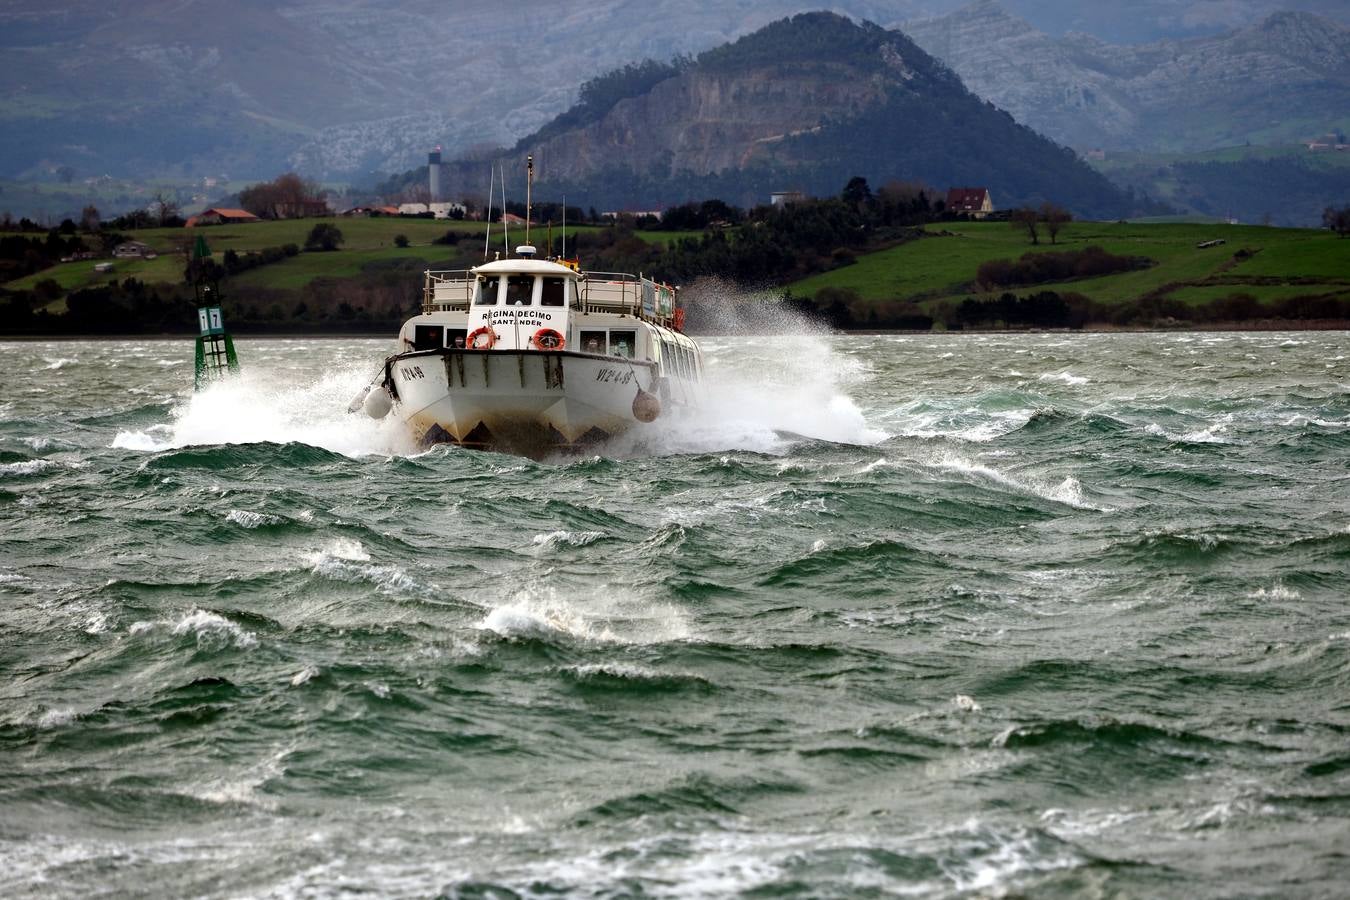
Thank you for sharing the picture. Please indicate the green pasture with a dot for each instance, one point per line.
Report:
(944, 265)
(365, 240)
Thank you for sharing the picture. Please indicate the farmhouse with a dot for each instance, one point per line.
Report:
(220, 215)
(368, 211)
(974, 202)
(134, 250)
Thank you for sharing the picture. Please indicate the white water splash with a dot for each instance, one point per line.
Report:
(602, 615)
(346, 560)
(260, 405)
(1069, 491)
(27, 467)
(556, 539)
(211, 630)
(247, 519)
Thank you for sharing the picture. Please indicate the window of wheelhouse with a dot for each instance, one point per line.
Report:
(428, 337)
(593, 342)
(519, 290)
(623, 343)
(487, 290)
(554, 292)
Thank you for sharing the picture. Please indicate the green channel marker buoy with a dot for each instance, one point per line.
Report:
(215, 349)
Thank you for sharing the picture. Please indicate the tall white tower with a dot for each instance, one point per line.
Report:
(434, 174)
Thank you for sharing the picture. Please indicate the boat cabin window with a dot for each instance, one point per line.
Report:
(454, 337)
(428, 337)
(593, 342)
(554, 292)
(487, 290)
(519, 289)
(622, 343)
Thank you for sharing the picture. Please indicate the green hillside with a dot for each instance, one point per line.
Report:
(941, 267)
(365, 241)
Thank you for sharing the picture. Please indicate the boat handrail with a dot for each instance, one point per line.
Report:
(451, 290)
(447, 290)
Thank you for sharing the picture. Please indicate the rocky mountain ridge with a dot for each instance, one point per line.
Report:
(336, 88)
(803, 103)
(1281, 80)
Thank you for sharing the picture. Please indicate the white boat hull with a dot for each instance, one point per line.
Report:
(521, 401)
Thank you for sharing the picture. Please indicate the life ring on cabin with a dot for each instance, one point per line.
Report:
(481, 339)
(548, 339)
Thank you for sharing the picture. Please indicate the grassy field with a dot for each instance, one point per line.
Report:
(944, 266)
(364, 241)
(940, 267)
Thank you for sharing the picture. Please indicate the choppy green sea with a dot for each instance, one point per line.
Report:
(948, 616)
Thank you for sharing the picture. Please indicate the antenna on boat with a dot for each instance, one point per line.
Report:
(529, 189)
(487, 233)
(564, 229)
(506, 241)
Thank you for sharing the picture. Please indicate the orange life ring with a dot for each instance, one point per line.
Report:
(473, 342)
(548, 339)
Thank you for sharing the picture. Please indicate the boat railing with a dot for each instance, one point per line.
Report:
(447, 290)
(634, 295)
(451, 290)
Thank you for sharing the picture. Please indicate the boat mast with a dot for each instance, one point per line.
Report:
(487, 233)
(506, 241)
(529, 188)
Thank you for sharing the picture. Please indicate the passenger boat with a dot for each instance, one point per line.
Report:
(532, 355)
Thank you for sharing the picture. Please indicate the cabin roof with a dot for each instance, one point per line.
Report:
(523, 267)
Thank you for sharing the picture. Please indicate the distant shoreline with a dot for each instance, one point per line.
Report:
(1289, 325)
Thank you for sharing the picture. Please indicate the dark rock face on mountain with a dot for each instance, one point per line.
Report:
(804, 103)
(1282, 80)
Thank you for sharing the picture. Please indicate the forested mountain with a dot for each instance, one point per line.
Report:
(802, 104)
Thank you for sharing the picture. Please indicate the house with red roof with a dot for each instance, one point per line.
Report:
(220, 215)
(973, 202)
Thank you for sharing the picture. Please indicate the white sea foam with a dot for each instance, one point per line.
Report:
(151, 440)
(305, 675)
(602, 615)
(342, 548)
(969, 424)
(966, 703)
(758, 395)
(55, 718)
(1277, 592)
(615, 670)
(212, 630)
(1069, 491)
(1065, 378)
(241, 787)
(59, 363)
(1212, 434)
(261, 405)
(387, 579)
(966, 858)
(27, 467)
(556, 539)
(248, 519)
